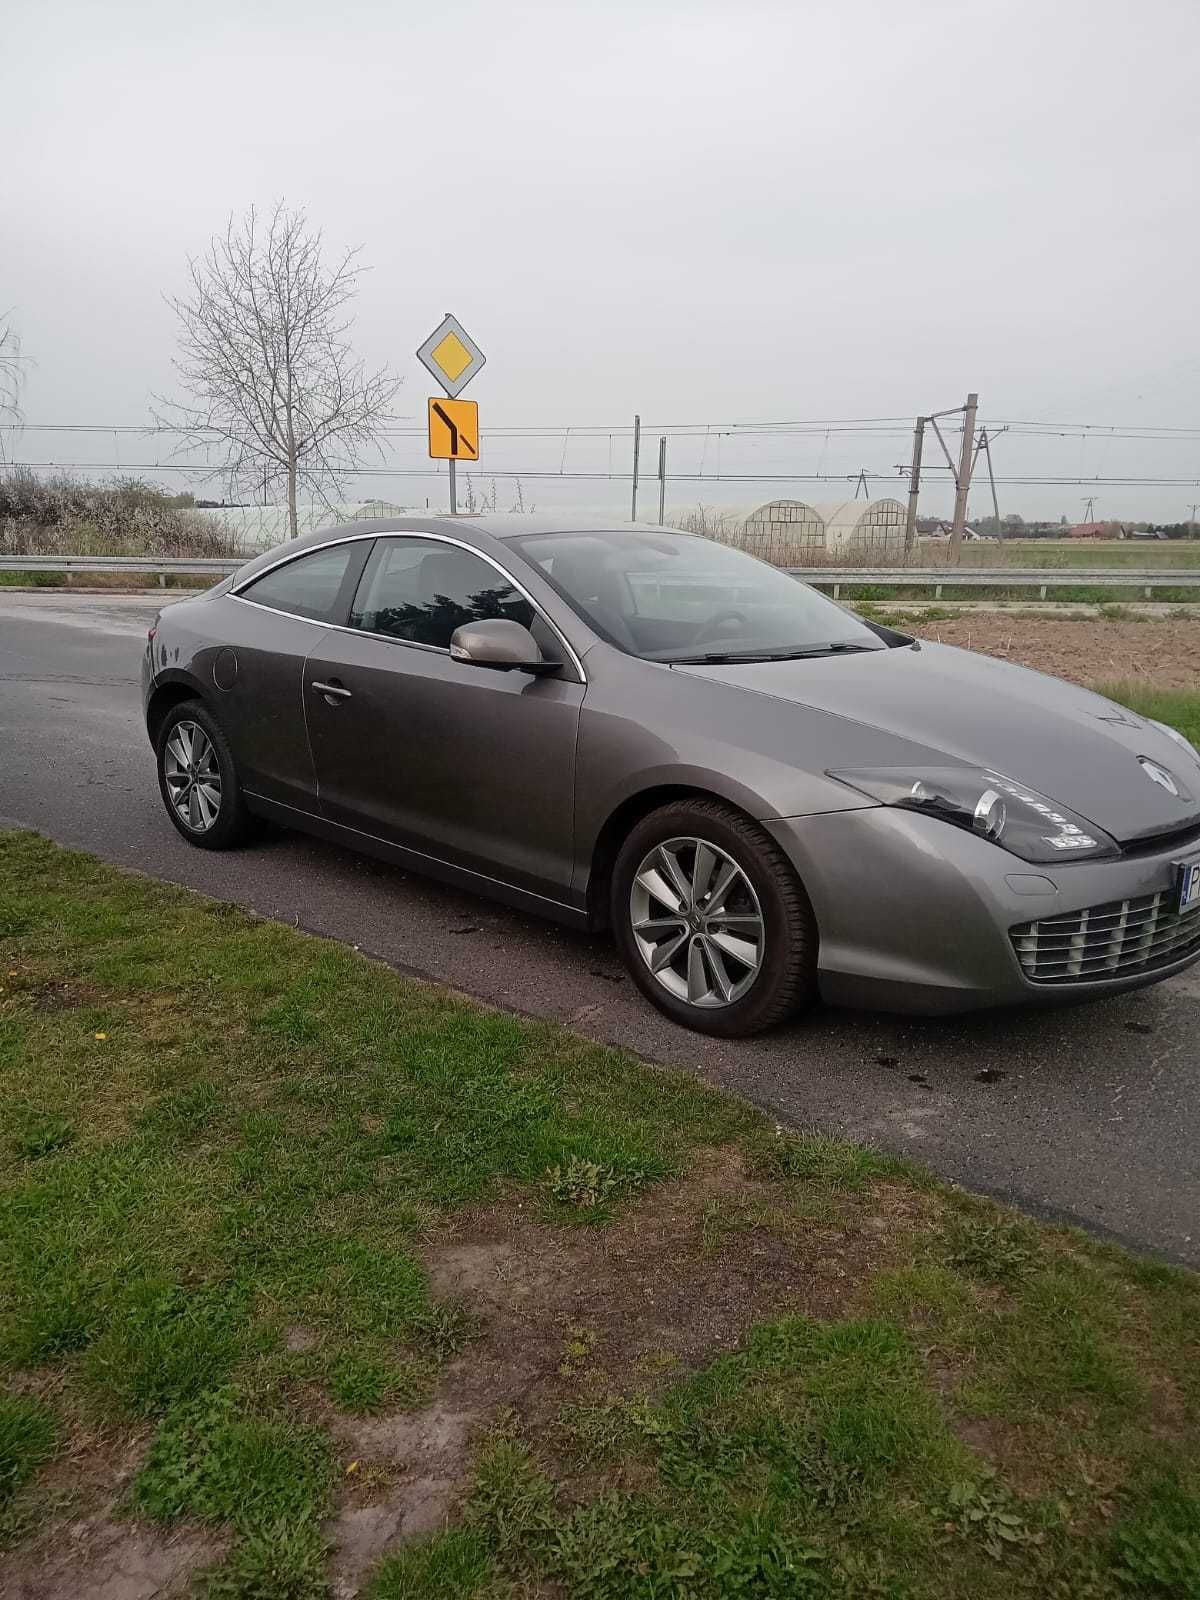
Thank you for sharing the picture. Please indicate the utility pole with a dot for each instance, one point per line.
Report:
(1192, 520)
(914, 487)
(985, 444)
(1089, 514)
(963, 479)
(662, 479)
(637, 450)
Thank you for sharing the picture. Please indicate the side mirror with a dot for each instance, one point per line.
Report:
(499, 643)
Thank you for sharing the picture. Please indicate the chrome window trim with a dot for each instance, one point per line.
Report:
(412, 644)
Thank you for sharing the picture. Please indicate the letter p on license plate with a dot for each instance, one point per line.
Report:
(1188, 880)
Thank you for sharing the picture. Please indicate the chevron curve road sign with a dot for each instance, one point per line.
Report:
(453, 430)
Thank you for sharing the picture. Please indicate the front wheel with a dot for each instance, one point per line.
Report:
(198, 780)
(712, 922)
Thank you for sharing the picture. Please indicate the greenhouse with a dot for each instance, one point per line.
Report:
(793, 533)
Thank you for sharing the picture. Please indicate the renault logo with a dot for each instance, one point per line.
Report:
(1159, 775)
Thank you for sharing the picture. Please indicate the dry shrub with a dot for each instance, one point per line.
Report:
(63, 515)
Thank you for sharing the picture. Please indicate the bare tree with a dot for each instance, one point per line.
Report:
(264, 357)
(11, 370)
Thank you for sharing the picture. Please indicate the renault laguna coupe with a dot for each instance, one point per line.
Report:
(767, 799)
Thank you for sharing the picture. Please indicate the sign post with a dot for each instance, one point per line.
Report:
(453, 358)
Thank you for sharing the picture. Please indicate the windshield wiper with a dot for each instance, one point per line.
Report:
(724, 657)
(836, 647)
(735, 658)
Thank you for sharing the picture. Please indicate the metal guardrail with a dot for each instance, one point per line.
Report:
(162, 567)
(195, 565)
(937, 578)
(1039, 578)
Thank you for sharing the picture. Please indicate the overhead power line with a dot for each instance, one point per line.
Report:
(894, 477)
(880, 426)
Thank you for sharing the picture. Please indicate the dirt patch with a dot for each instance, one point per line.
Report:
(1165, 654)
(107, 1560)
(578, 1313)
(59, 996)
(90, 1548)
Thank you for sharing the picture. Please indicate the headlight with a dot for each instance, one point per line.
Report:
(1174, 733)
(988, 804)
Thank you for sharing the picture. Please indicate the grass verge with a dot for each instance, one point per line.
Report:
(1178, 708)
(291, 1264)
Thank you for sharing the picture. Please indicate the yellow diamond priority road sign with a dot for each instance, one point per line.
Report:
(452, 356)
(453, 430)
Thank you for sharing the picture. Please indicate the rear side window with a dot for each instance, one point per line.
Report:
(308, 586)
(420, 590)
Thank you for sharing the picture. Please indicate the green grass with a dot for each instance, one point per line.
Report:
(1063, 592)
(28, 1433)
(449, 1566)
(1179, 708)
(230, 1155)
(1088, 553)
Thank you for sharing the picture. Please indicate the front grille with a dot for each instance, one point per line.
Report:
(1116, 940)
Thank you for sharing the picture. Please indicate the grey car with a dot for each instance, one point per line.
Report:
(767, 799)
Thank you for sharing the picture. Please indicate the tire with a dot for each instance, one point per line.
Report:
(214, 826)
(764, 916)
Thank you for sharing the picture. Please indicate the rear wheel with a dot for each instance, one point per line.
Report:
(712, 921)
(198, 780)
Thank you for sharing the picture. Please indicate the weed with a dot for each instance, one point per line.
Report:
(28, 1434)
(821, 1159)
(42, 1138)
(511, 1501)
(999, 1251)
(986, 1511)
(163, 1344)
(579, 1343)
(444, 1329)
(448, 1566)
(282, 1561)
(363, 1385)
(211, 1461)
(588, 1184)
(600, 1430)
(1156, 1548)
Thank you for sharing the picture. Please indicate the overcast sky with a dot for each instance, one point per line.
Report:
(707, 212)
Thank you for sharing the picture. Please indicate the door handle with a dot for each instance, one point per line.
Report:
(331, 691)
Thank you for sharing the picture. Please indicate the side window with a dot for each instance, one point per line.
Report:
(420, 590)
(308, 586)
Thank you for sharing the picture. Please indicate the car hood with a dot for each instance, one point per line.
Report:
(1074, 746)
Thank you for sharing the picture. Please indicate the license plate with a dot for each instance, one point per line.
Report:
(1188, 880)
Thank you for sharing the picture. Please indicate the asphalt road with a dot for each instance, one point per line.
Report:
(1089, 1114)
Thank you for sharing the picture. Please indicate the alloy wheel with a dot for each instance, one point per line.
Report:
(697, 922)
(193, 776)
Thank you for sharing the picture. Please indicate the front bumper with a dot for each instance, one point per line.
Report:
(916, 915)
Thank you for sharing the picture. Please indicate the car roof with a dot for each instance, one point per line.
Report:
(496, 525)
(516, 525)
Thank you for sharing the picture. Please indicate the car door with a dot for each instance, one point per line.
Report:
(268, 628)
(469, 764)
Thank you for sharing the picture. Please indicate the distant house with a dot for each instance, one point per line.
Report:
(939, 529)
(1096, 530)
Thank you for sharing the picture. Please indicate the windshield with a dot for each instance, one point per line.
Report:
(678, 597)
